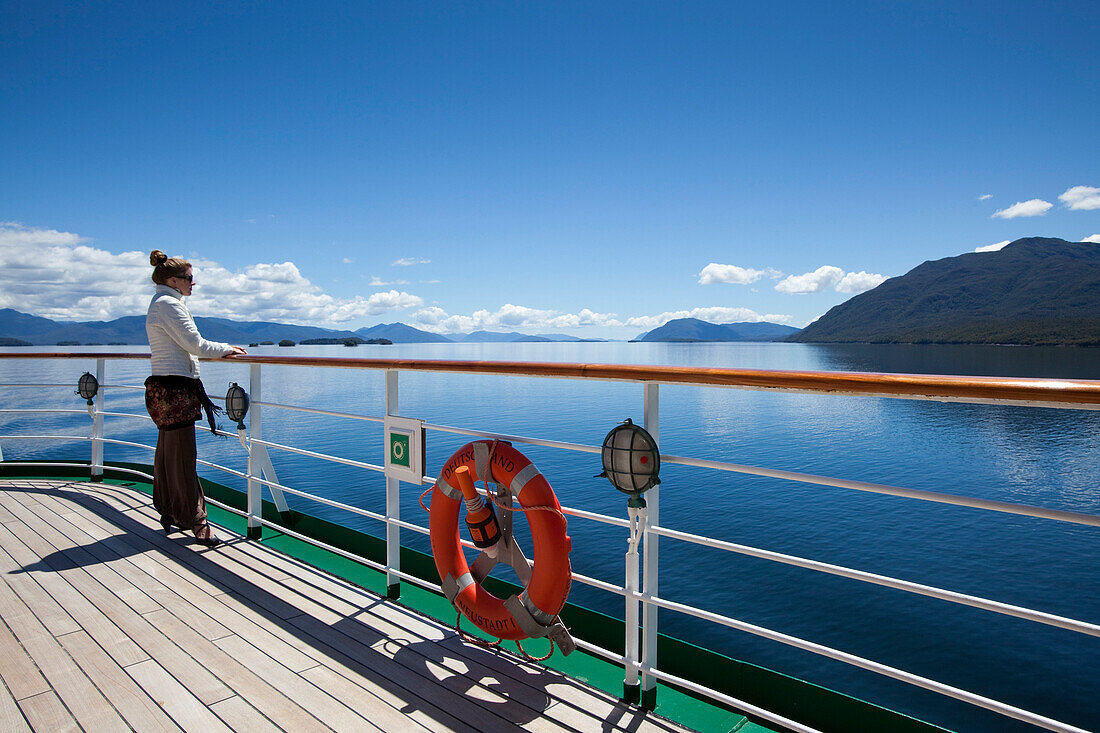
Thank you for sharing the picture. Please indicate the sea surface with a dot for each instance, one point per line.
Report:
(1033, 455)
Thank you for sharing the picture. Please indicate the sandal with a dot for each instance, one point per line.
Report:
(166, 523)
(205, 536)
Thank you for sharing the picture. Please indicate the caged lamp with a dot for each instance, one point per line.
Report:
(631, 461)
(236, 404)
(87, 387)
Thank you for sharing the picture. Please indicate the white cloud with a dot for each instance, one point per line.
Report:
(347, 260)
(820, 279)
(511, 317)
(52, 274)
(430, 316)
(992, 247)
(377, 282)
(985, 197)
(1082, 198)
(407, 261)
(1094, 238)
(1031, 207)
(716, 273)
(858, 282)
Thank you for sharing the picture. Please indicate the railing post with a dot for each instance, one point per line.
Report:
(393, 504)
(97, 424)
(255, 496)
(631, 686)
(649, 574)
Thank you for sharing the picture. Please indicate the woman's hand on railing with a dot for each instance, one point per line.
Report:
(237, 351)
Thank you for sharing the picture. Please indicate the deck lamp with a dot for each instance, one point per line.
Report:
(87, 387)
(236, 407)
(236, 404)
(631, 461)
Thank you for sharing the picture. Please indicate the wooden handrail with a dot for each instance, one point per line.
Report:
(1067, 392)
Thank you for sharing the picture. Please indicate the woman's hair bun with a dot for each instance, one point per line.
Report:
(157, 257)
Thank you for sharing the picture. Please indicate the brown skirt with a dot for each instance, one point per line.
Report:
(177, 494)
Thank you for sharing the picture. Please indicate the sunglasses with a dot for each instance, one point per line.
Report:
(188, 278)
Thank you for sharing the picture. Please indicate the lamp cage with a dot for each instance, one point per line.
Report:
(236, 404)
(631, 460)
(87, 387)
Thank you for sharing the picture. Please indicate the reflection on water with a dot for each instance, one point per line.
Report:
(1030, 455)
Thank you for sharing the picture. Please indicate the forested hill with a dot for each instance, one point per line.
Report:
(1033, 291)
(693, 329)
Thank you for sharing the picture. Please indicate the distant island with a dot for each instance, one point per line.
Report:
(1034, 291)
(352, 341)
(693, 329)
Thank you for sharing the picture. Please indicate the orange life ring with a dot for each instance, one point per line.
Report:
(548, 588)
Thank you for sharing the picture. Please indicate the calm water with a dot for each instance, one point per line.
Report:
(1030, 455)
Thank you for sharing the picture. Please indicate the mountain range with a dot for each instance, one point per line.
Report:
(1036, 290)
(23, 329)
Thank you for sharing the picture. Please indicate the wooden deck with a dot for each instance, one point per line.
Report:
(106, 624)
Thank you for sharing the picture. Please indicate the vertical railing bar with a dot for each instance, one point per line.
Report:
(393, 501)
(255, 424)
(97, 422)
(631, 652)
(648, 699)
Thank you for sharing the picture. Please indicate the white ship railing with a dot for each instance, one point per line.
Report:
(641, 599)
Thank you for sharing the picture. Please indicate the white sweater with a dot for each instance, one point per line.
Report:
(174, 341)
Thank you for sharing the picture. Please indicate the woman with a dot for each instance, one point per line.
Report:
(173, 395)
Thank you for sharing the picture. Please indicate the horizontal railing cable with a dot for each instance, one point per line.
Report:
(322, 456)
(46, 437)
(940, 498)
(62, 464)
(1082, 627)
(44, 411)
(857, 661)
(320, 499)
(580, 447)
(331, 413)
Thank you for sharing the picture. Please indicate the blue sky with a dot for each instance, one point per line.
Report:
(586, 168)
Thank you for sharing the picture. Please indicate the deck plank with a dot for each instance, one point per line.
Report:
(157, 582)
(186, 710)
(239, 715)
(18, 672)
(136, 707)
(131, 626)
(66, 679)
(330, 711)
(409, 694)
(89, 604)
(212, 616)
(103, 568)
(45, 712)
(285, 709)
(238, 637)
(38, 586)
(11, 717)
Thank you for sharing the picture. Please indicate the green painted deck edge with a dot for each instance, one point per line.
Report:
(810, 704)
